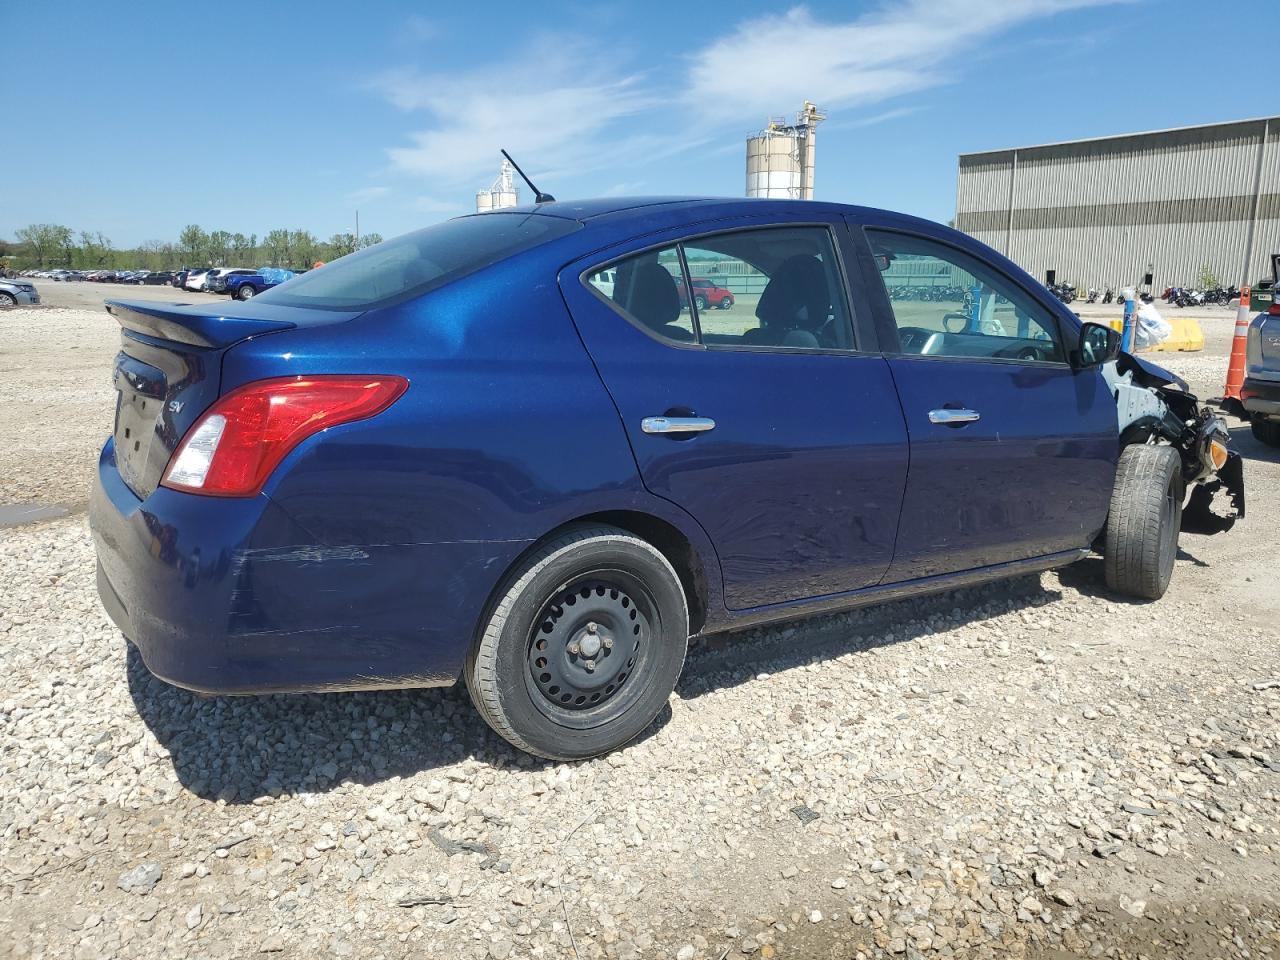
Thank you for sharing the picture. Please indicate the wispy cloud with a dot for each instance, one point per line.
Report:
(367, 194)
(565, 108)
(774, 62)
(555, 106)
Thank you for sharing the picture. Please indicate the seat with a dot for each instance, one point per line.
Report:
(794, 306)
(655, 301)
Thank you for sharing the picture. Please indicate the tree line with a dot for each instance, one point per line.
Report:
(43, 246)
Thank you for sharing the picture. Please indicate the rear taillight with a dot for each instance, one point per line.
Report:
(1274, 309)
(232, 449)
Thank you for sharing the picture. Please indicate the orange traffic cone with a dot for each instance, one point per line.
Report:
(1235, 369)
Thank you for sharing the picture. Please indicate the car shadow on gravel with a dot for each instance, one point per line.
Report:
(237, 749)
(730, 659)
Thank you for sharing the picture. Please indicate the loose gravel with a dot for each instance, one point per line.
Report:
(1033, 768)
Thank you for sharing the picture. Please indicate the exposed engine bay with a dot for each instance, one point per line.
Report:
(1155, 406)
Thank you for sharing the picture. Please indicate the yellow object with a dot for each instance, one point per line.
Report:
(1218, 454)
(1187, 337)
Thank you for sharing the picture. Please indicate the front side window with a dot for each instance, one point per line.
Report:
(777, 288)
(949, 304)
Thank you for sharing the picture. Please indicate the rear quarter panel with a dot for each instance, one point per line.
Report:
(505, 433)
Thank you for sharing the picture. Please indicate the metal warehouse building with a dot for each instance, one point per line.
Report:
(1100, 211)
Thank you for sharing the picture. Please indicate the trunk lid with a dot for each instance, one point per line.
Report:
(168, 372)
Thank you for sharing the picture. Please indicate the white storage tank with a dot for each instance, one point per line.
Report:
(501, 193)
(773, 164)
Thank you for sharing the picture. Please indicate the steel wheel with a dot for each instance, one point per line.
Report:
(8, 300)
(245, 292)
(583, 646)
(590, 639)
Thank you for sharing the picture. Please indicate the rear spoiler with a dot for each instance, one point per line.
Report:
(192, 323)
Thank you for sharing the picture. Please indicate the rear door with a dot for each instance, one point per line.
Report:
(769, 421)
(1012, 450)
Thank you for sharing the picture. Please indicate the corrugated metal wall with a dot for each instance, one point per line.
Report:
(1099, 211)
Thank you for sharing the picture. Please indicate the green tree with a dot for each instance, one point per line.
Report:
(340, 244)
(369, 239)
(95, 250)
(1207, 278)
(241, 250)
(194, 244)
(45, 242)
(304, 248)
(275, 247)
(219, 243)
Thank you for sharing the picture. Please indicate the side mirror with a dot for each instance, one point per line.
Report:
(1098, 345)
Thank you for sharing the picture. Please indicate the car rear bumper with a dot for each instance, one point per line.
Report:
(224, 595)
(1261, 397)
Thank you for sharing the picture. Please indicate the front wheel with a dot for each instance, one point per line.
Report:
(726, 303)
(1142, 526)
(8, 299)
(245, 292)
(583, 646)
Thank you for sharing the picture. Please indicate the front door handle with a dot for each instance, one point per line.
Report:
(677, 424)
(953, 418)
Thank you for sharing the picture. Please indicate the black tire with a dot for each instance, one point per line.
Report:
(1142, 526)
(700, 302)
(1266, 431)
(726, 303)
(245, 292)
(592, 583)
(8, 299)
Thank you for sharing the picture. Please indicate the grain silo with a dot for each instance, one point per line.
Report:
(501, 193)
(780, 158)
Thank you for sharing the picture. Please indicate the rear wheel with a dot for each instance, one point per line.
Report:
(246, 292)
(701, 302)
(1266, 431)
(1142, 527)
(583, 647)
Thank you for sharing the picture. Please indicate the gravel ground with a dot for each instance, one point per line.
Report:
(1033, 768)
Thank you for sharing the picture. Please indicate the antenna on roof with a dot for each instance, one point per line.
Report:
(538, 195)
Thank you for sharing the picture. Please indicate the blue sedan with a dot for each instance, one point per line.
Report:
(505, 449)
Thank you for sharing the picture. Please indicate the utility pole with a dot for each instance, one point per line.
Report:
(357, 228)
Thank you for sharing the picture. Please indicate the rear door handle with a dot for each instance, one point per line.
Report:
(677, 424)
(953, 418)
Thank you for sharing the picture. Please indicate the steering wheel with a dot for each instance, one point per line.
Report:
(947, 319)
(1029, 353)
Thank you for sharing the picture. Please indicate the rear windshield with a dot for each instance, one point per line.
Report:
(407, 266)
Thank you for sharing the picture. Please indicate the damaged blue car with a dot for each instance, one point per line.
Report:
(505, 449)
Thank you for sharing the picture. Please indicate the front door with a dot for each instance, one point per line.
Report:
(755, 414)
(1013, 451)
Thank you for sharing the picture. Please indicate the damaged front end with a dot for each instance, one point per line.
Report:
(1154, 405)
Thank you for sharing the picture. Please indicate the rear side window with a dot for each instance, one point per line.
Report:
(776, 288)
(396, 270)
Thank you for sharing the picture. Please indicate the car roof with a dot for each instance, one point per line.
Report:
(618, 208)
(639, 215)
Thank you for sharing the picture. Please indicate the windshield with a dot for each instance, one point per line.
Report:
(407, 266)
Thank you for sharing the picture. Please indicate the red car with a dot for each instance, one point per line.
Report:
(705, 294)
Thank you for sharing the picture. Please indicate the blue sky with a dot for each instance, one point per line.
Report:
(254, 116)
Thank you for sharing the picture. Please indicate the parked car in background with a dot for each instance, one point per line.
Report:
(155, 278)
(180, 278)
(245, 286)
(195, 279)
(371, 477)
(17, 291)
(215, 280)
(706, 293)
